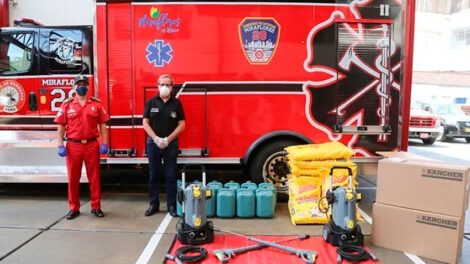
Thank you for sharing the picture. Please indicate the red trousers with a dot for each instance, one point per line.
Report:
(77, 153)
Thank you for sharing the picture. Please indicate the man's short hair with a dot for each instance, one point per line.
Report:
(165, 76)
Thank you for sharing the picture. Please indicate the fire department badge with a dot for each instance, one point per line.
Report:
(64, 50)
(259, 38)
(12, 96)
(173, 114)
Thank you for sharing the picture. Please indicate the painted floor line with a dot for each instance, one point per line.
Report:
(365, 216)
(154, 240)
(412, 257)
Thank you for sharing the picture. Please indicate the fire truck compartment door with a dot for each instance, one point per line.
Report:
(363, 94)
(19, 80)
(193, 141)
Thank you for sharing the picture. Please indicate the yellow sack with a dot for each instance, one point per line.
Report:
(339, 175)
(340, 178)
(320, 172)
(305, 188)
(306, 212)
(325, 151)
(313, 165)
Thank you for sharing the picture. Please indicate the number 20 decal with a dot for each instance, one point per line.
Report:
(57, 101)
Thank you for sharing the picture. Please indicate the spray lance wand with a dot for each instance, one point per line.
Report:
(224, 255)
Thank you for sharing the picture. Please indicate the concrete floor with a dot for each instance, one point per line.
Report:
(33, 230)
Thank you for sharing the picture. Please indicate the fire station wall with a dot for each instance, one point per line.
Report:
(53, 12)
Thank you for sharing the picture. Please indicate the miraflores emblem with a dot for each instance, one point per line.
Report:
(64, 49)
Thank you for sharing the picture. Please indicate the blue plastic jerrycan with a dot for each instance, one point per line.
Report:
(265, 202)
(226, 203)
(271, 187)
(214, 186)
(232, 185)
(179, 210)
(249, 185)
(246, 203)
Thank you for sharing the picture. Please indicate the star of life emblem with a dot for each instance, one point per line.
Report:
(159, 53)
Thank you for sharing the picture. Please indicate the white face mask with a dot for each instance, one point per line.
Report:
(164, 90)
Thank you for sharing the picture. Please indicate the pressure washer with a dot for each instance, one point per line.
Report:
(193, 227)
(342, 229)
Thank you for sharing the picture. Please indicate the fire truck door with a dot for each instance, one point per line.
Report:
(364, 57)
(19, 80)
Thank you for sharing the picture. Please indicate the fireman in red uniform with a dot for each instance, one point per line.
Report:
(82, 120)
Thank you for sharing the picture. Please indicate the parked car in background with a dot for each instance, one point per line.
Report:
(465, 109)
(423, 124)
(454, 122)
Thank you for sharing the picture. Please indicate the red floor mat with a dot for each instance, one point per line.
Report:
(326, 253)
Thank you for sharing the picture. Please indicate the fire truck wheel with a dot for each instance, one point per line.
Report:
(429, 141)
(270, 165)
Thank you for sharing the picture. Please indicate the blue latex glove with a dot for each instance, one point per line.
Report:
(104, 149)
(62, 151)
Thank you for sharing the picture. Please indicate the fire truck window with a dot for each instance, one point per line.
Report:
(65, 51)
(15, 52)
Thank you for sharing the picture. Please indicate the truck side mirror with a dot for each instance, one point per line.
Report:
(33, 101)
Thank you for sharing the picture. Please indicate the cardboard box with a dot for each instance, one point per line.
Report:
(425, 234)
(430, 186)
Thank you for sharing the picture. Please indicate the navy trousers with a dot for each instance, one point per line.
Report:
(169, 156)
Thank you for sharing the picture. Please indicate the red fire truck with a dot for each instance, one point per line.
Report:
(254, 77)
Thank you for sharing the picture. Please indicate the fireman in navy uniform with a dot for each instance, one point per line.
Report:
(163, 122)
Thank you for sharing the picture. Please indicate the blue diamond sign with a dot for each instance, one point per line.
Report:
(159, 53)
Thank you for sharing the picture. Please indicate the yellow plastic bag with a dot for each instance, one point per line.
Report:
(340, 178)
(306, 212)
(305, 188)
(325, 151)
(312, 165)
(339, 175)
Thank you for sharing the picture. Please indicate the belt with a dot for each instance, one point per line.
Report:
(83, 141)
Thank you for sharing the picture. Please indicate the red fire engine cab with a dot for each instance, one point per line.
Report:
(253, 77)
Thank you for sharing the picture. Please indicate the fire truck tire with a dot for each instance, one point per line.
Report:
(429, 141)
(269, 164)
